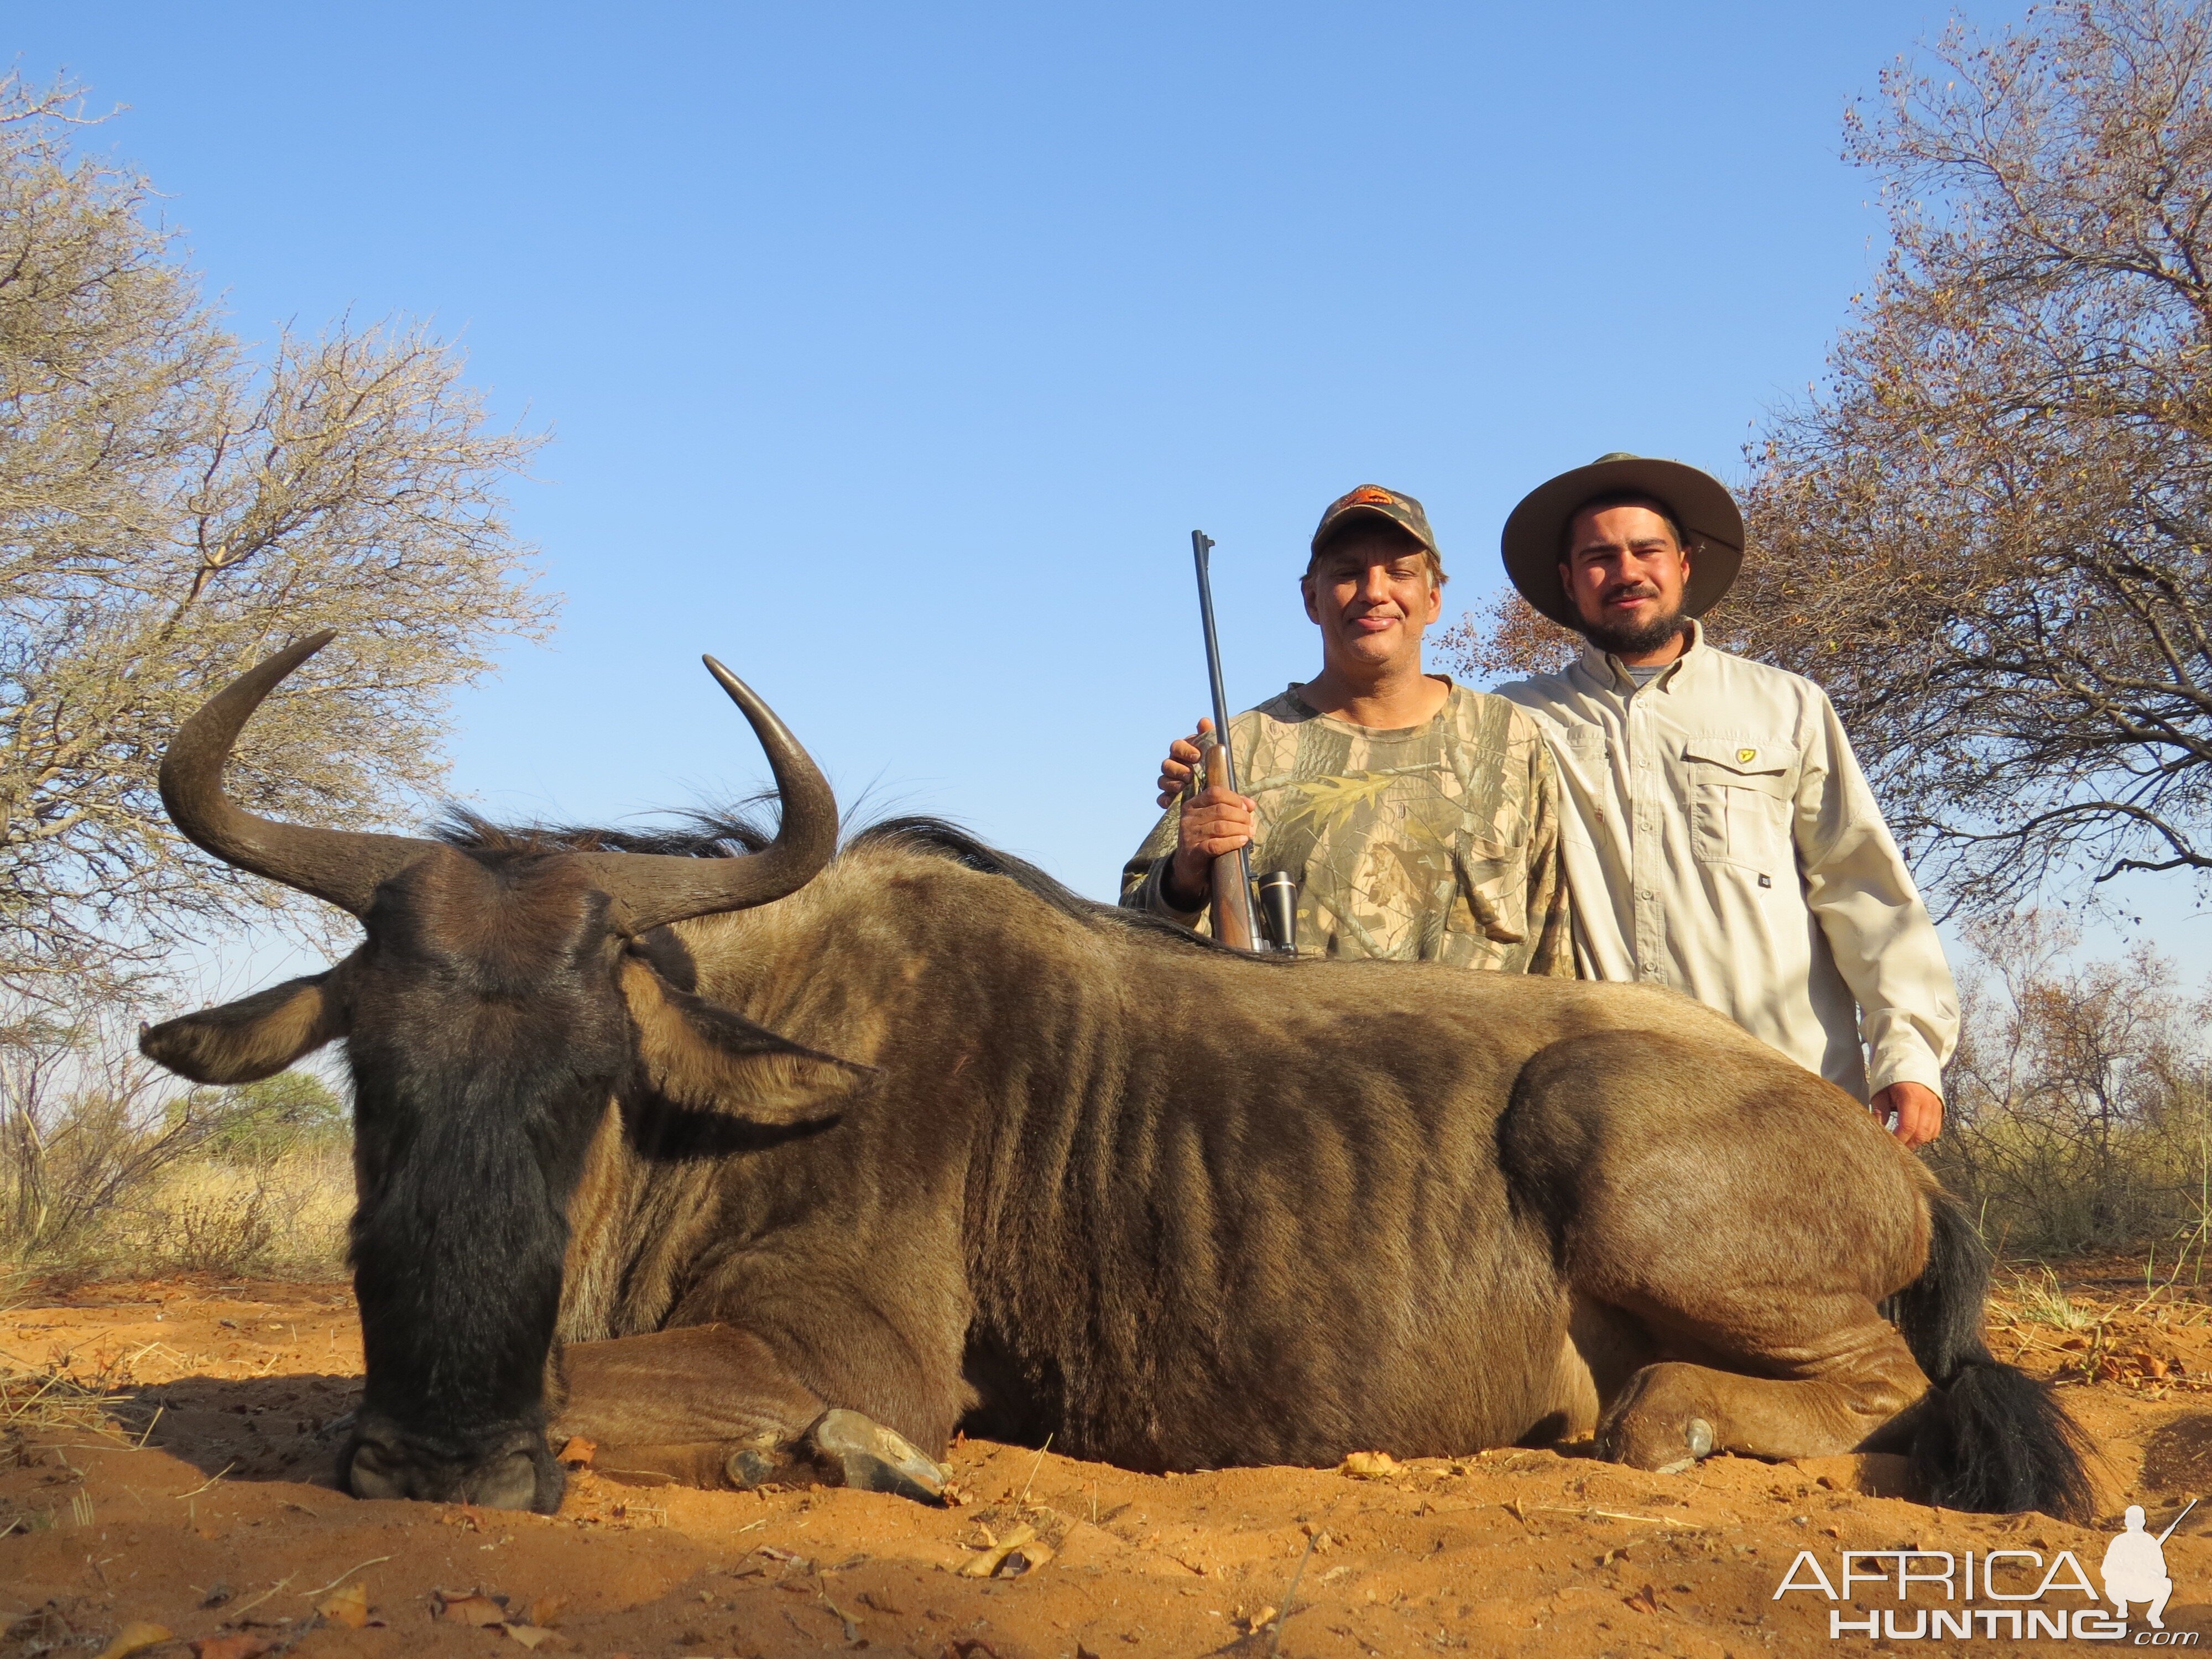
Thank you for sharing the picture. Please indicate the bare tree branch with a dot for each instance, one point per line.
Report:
(173, 507)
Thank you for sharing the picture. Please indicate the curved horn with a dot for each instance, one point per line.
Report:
(655, 888)
(341, 866)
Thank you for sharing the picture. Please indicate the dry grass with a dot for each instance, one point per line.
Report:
(45, 1413)
(280, 1217)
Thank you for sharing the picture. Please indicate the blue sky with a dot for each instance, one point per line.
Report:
(892, 353)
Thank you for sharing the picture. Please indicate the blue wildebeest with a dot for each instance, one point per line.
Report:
(768, 1162)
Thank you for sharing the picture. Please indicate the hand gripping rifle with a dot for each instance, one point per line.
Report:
(1233, 907)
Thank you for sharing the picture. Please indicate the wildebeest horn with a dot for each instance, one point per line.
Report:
(656, 888)
(342, 866)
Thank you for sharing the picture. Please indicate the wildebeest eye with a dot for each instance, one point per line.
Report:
(669, 957)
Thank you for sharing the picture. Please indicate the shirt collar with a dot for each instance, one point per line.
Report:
(1612, 675)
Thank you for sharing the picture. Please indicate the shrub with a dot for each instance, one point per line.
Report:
(2080, 1101)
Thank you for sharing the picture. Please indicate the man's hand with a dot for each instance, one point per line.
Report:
(1919, 1111)
(1182, 763)
(1214, 823)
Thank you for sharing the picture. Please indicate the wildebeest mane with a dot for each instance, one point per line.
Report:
(735, 831)
(938, 838)
(725, 833)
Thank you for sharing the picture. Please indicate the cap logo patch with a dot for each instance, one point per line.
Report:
(1369, 495)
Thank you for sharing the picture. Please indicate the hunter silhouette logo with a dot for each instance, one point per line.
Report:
(2134, 1569)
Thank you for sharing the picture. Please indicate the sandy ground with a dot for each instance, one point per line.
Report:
(196, 1500)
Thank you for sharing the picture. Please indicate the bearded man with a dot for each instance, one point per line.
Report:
(1720, 838)
(1420, 819)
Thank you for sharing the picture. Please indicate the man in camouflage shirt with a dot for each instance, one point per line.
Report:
(1420, 819)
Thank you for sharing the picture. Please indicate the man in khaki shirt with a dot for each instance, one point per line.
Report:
(1720, 838)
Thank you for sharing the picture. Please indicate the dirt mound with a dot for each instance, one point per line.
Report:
(165, 1449)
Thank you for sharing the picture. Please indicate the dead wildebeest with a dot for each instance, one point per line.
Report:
(778, 1165)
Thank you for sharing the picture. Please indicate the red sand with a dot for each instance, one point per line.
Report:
(223, 1524)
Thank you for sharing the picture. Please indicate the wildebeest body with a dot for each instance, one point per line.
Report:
(1175, 1207)
(913, 1138)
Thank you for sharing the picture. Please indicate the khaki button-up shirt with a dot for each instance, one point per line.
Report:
(1721, 839)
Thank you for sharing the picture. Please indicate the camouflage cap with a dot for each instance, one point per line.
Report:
(1373, 501)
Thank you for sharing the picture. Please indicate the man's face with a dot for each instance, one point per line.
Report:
(1372, 594)
(1624, 573)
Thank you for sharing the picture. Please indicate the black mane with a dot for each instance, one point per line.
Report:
(733, 832)
(726, 834)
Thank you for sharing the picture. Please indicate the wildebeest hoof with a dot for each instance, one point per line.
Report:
(1697, 1435)
(869, 1457)
(748, 1470)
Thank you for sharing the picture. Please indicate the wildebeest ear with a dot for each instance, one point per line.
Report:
(709, 1058)
(254, 1038)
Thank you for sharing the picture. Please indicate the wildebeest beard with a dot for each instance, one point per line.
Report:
(467, 1152)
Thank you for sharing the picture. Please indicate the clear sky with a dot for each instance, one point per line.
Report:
(892, 353)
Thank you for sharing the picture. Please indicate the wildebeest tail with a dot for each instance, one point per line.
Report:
(1989, 1436)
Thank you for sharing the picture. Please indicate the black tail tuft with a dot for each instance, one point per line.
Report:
(1990, 1436)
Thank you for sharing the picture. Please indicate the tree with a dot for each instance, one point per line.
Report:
(1507, 639)
(2080, 1100)
(173, 507)
(1986, 531)
(1987, 534)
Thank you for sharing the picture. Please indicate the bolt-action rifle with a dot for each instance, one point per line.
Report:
(1233, 906)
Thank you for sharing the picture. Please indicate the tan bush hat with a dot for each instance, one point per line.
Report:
(1708, 514)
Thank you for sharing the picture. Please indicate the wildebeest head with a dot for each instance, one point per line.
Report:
(503, 996)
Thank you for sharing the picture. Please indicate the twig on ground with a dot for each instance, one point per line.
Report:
(245, 1608)
(205, 1483)
(1291, 1596)
(371, 1561)
(1034, 1468)
(1619, 1514)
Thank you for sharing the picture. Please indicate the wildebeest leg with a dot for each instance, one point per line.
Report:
(709, 1405)
(1829, 1376)
(1746, 1218)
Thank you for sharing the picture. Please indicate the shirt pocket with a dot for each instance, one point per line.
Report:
(1741, 790)
(1492, 899)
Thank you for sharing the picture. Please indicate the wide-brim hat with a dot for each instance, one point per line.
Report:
(1707, 512)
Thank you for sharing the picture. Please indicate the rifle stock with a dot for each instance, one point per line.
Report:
(1233, 922)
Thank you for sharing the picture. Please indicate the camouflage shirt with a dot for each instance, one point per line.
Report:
(1437, 842)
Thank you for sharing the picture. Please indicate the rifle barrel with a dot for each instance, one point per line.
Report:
(1233, 922)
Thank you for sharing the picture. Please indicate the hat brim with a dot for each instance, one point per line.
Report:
(1708, 515)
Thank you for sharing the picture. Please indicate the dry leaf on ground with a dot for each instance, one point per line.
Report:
(578, 1452)
(1368, 1465)
(989, 1562)
(470, 1609)
(349, 1607)
(133, 1636)
(536, 1635)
